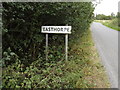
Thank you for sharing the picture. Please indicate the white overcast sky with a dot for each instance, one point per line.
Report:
(107, 7)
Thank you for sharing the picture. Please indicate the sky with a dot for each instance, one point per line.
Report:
(106, 7)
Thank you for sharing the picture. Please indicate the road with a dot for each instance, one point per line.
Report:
(106, 41)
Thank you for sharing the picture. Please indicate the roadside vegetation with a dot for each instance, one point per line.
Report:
(23, 62)
(111, 21)
(82, 70)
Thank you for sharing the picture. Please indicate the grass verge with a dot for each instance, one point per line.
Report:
(82, 70)
(94, 75)
(110, 23)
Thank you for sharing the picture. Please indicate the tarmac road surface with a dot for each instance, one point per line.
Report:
(106, 41)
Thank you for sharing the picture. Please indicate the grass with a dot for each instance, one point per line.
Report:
(82, 70)
(88, 63)
(110, 23)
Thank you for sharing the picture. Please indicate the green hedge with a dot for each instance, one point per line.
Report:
(24, 44)
(22, 27)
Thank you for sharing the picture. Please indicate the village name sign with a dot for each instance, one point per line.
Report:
(57, 30)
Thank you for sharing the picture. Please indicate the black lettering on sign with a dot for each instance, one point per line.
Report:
(68, 29)
(44, 29)
(65, 29)
(58, 29)
(51, 28)
(61, 29)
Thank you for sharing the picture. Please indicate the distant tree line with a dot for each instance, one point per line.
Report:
(106, 17)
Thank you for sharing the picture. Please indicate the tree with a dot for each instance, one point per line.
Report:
(102, 17)
(118, 14)
(112, 15)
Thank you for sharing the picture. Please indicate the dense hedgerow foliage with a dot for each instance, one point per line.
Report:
(23, 42)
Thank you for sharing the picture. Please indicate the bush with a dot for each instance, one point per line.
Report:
(22, 35)
(23, 22)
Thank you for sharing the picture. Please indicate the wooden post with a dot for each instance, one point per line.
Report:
(66, 31)
(46, 47)
(66, 47)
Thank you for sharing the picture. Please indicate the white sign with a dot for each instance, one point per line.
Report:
(56, 29)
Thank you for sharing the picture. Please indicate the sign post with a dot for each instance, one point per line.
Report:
(57, 30)
(46, 51)
(66, 47)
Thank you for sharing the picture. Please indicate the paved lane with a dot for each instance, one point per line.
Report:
(106, 41)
